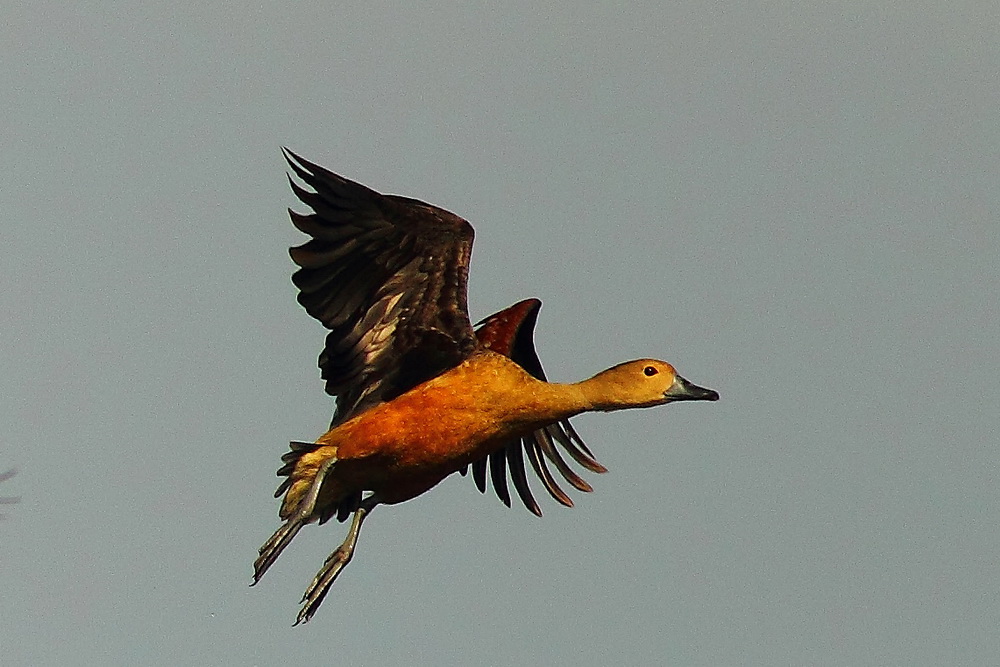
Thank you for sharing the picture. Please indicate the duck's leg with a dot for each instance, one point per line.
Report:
(335, 562)
(283, 536)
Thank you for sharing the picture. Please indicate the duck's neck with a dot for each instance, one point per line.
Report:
(596, 395)
(537, 402)
(554, 401)
(560, 401)
(525, 400)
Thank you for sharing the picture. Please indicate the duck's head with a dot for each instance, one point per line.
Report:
(642, 383)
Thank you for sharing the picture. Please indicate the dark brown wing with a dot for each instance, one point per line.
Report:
(510, 332)
(387, 275)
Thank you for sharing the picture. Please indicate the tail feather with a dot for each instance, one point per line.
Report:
(303, 483)
(290, 460)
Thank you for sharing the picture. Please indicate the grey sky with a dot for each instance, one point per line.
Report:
(794, 202)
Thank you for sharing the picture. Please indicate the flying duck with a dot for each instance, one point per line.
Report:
(421, 394)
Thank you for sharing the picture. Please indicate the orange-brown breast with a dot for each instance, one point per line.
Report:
(402, 448)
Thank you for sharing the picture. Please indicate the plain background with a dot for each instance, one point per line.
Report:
(794, 202)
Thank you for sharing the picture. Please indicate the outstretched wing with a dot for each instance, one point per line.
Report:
(387, 275)
(510, 332)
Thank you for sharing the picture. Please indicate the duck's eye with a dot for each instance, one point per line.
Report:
(650, 370)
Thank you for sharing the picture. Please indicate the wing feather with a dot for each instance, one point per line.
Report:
(509, 332)
(388, 276)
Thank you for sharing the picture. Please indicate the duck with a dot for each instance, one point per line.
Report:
(420, 392)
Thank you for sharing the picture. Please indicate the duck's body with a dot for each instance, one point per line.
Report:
(402, 448)
(419, 394)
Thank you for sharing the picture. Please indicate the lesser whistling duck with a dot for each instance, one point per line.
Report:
(420, 394)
